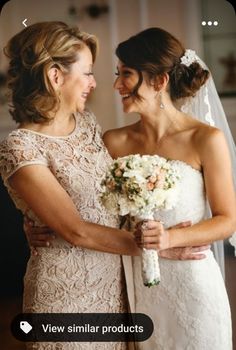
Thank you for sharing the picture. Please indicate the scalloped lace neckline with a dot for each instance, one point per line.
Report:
(76, 119)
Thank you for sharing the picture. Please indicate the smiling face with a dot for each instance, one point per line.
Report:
(126, 82)
(79, 82)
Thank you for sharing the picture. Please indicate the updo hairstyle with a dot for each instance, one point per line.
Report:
(156, 52)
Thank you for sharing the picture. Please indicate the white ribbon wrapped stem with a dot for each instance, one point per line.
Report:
(150, 262)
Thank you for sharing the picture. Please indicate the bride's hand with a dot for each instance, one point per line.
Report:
(181, 253)
(184, 253)
(151, 235)
(37, 236)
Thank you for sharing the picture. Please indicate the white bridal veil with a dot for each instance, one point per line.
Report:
(206, 107)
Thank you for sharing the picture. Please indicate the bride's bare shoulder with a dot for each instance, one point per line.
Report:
(209, 140)
(200, 133)
(206, 134)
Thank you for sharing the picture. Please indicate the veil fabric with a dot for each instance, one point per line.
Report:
(206, 107)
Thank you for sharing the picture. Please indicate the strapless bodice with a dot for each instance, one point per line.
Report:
(191, 202)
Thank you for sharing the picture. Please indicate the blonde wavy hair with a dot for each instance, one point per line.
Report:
(32, 52)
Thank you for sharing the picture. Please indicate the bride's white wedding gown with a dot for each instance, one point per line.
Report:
(189, 308)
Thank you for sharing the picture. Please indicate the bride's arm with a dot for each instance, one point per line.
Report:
(41, 191)
(220, 192)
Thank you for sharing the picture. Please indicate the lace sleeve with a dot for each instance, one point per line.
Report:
(16, 151)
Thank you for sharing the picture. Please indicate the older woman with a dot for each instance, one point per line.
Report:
(52, 166)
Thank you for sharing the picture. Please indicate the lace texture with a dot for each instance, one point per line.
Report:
(189, 308)
(64, 278)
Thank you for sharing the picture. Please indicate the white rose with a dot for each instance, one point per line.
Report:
(124, 206)
(158, 197)
(232, 241)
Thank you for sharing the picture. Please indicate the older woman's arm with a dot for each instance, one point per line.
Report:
(41, 191)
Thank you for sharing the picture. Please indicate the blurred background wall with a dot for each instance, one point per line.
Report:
(112, 21)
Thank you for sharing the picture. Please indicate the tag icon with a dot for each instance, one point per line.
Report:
(25, 327)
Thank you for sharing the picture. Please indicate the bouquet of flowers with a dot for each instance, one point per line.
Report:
(232, 241)
(139, 186)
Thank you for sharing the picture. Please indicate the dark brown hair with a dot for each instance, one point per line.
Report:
(32, 52)
(156, 52)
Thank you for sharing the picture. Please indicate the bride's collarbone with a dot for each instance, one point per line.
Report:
(180, 146)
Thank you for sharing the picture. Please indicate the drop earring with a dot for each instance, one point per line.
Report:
(161, 103)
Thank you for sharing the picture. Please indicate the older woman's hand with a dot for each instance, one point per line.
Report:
(184, 253)
(37, 236)
(181, 253)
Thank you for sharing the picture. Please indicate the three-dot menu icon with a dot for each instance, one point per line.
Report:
(210, 23)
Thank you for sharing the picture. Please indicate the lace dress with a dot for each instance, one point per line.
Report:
(189, 308)
(65, 278)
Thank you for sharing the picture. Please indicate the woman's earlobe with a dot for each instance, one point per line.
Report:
(158, 83)
(161, 81)
(167, 77)
(153, 83)
(55, 76)
(165, 80)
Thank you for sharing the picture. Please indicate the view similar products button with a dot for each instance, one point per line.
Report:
(76, 327)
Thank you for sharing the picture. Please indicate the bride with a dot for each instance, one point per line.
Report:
(190, 307)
